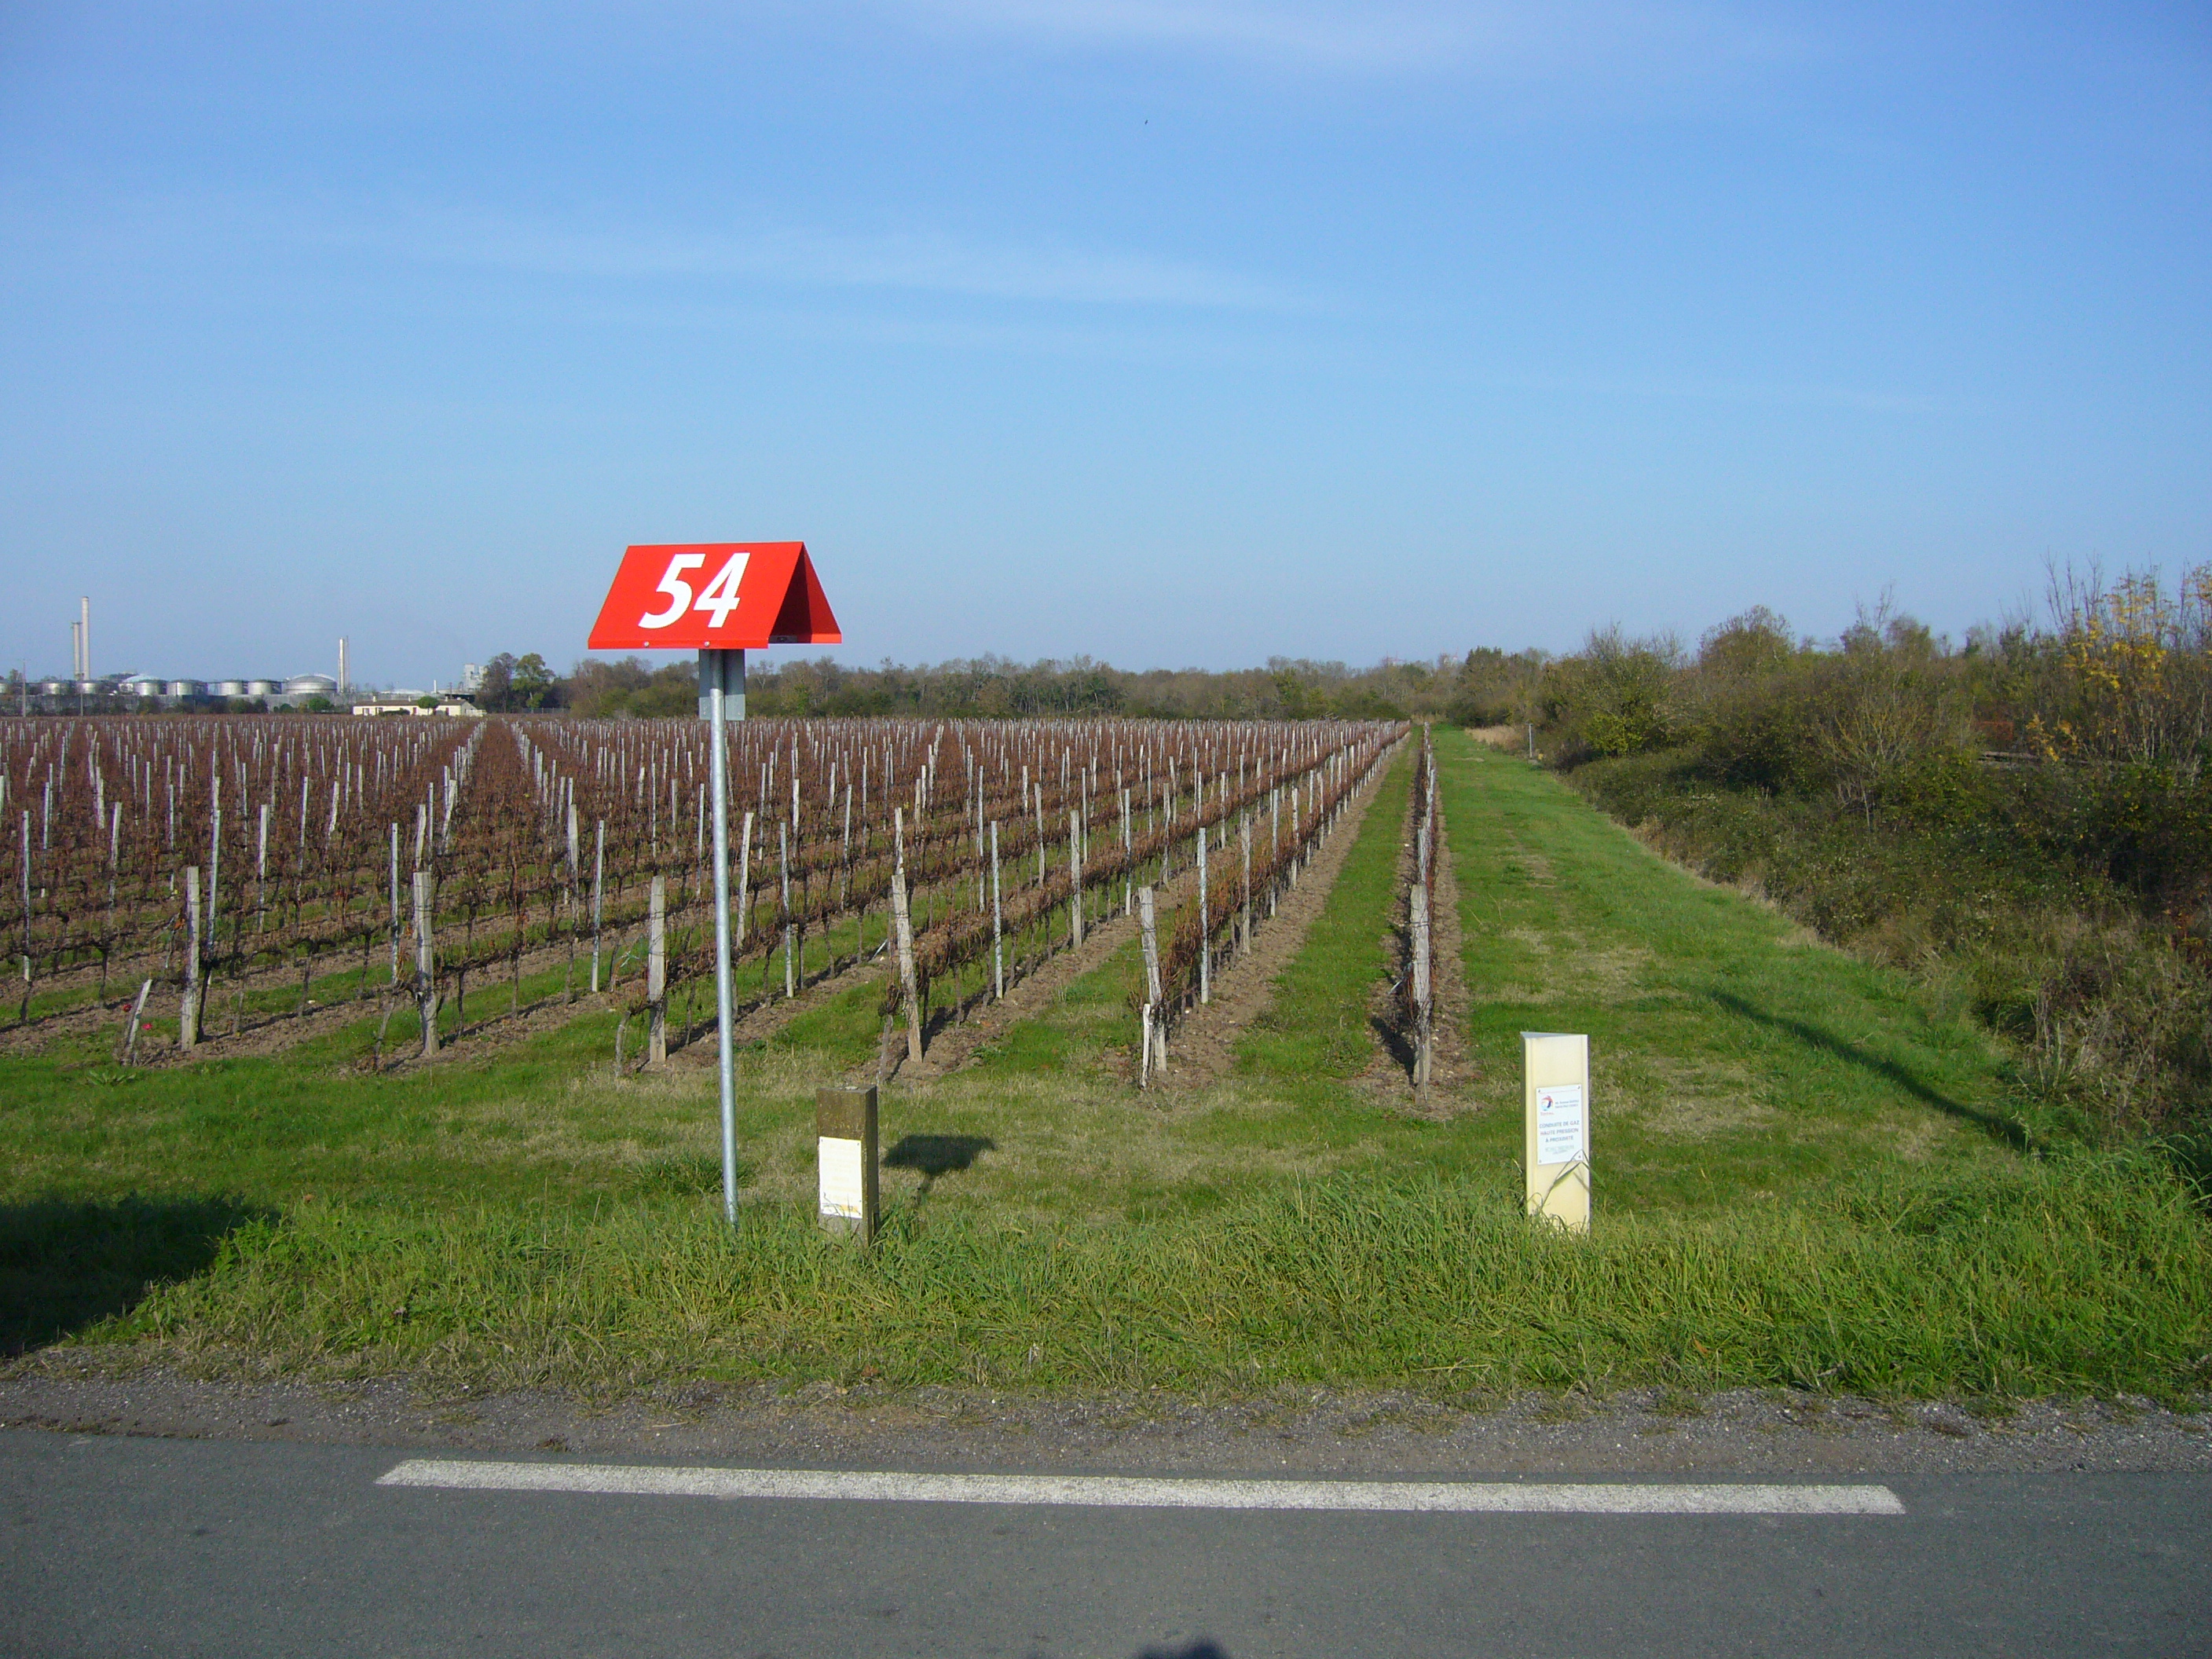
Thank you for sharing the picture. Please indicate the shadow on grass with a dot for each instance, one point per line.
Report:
(65, 1265)
(1812, 1037)
(1394, 1041)
(936, 1155)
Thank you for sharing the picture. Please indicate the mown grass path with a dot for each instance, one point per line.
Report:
(1732, 1054)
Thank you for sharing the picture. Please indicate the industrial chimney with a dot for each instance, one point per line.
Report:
(343, 682)
(84, 638)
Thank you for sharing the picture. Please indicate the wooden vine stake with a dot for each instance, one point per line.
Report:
(188, 1016)
(998, 923)
(137, 1014)
(783, 834)
(395, 904)
(1423, 1021)
(1205, 926)
(1244, 923)
(426, 962)
(656, 972)
(1152, 1034)
(598, 899)
(902, 926)
(1074, 879)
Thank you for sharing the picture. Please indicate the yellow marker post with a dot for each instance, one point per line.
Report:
(845, 1146)
(1556, 1141)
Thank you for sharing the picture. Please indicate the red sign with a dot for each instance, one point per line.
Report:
(724, 595)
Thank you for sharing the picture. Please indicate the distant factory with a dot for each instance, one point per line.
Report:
(84, 691)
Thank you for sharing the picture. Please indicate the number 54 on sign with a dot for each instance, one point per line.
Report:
(716, 596)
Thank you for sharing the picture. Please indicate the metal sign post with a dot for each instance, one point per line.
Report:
(722, 682)
(721, 598)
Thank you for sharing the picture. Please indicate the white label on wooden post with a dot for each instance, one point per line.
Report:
(842, 1176)
(845, 1157)
(1556, 1140)
(1562, 1129)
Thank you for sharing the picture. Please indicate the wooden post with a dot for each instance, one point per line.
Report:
(1555, 1157)
(598, 894)
(1129, 866)
(656, 970)
(783, 837)
(395, 904)
(1074, 879)
(24, 1015)
(845, 1159)
(214, 850)
(998, 923)
(744, 883)
(137, 1014)
(1204, 926)
(426, 962)
(902, 926)
(1155, 1039)
(1419, 910)
(188, 1018)
(1275, 846)
(1245, 848)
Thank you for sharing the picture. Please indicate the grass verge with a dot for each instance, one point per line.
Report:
(2080, 1277)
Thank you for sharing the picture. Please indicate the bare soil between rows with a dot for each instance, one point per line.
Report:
(1202, 1044)
(1201, 1048)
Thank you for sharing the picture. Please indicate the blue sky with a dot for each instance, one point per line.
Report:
(1171, 334)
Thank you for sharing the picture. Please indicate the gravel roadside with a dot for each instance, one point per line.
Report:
(1305, 1431)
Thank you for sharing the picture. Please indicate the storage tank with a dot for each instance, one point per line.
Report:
(311, 685)
(226, 688)
(141, 686)
(262, 689)
(185, 689)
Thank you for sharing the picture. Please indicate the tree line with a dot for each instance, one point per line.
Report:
(998, 688)
(2024, 816)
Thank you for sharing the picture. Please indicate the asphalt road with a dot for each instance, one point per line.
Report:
(117, 1545)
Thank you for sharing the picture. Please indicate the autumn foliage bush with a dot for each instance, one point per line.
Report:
(2026, 817)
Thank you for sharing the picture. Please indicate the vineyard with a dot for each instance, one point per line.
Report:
(360, 1047)
(210, 880)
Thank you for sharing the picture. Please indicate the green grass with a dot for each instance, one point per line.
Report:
(1315, 1036)
(2082, 1279)
(1805, 1175)
(1732, 1054)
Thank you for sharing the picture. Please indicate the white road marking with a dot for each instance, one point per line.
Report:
(1121, 1491)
